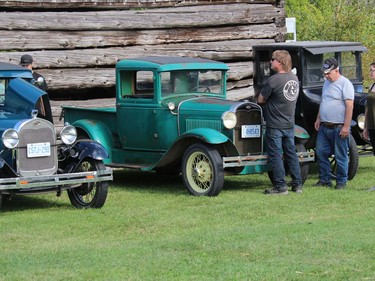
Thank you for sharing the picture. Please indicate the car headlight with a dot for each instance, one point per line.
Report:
(68, 134)
(229, 119)
(10, 138)
(361, 121)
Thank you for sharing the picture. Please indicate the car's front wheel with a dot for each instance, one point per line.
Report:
(89, 195)
(202, 170)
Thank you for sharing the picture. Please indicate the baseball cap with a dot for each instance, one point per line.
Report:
(26, 60)
(329, 64)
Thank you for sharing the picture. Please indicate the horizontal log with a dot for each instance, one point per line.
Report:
(235, 50)
(114, 4)
(47, 40)
(180, 17)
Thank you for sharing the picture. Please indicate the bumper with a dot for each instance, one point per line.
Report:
(58, 181)
(243, 161)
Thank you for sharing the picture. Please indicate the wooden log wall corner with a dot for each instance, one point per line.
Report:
(76, 44)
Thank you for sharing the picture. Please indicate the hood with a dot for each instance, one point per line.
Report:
(207, 104)
(21, 97)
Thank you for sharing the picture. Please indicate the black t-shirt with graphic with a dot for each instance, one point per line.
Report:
(281, 92)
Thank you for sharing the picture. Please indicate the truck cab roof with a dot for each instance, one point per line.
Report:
(316, 47)
(164, 63)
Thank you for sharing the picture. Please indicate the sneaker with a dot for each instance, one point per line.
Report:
(340, 186)
(275, 191)
(297, 189)
(323, 184)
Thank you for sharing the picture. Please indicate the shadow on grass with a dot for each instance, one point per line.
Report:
(30, 202)
(147, 181)
(153, 182)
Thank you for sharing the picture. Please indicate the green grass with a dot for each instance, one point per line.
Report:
(151, 229)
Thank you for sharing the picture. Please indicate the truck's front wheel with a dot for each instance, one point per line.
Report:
(202, 170)
(89, 195)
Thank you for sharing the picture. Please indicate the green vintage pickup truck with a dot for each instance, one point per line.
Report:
(172, 116)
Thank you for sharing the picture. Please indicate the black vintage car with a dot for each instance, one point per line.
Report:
(307, 59)
(36, 157)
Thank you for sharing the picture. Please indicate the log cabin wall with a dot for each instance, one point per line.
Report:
(76, 44)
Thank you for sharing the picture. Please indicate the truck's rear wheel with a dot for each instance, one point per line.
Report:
(89, 195)
(202, 170)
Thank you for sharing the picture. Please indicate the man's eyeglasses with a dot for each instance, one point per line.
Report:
(272, 59)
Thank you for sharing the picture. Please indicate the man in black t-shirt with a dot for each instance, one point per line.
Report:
(39, 80)
(279, 96)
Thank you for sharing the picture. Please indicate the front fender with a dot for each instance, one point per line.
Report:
(207, 135)
(91, 149)
(98, 131)
(301, 133)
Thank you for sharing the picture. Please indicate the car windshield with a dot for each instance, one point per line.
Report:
(192, 81)
(348, 66)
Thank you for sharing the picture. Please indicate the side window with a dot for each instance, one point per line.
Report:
(314, 64)
(137, 84)
(349, 65)
(264, 67)
(144, 84)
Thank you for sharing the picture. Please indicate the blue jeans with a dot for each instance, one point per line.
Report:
(281, 141)
(329, 142)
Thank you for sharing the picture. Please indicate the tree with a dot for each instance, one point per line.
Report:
(336, 20)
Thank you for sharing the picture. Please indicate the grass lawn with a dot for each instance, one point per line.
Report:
(151, 229)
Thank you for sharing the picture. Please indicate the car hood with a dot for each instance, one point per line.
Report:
(207, 104)
(20, 100)
(21, 97)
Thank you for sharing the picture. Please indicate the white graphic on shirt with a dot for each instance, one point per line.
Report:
(290, 90)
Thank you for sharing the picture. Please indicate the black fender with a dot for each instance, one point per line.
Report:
(6, 170)
(79, 151)
(91, 149)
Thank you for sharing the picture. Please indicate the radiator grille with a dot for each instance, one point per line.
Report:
(247, 145)
(197, 123)
(36, 131)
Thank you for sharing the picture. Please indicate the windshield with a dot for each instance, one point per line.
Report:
(347, 61)
(192, 81)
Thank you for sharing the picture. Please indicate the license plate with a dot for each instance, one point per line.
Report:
(250, 131)
(41, 149)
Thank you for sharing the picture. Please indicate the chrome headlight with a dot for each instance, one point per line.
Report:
(68, 134)
(10, 138)
(171, 106)
(361, 121)
(229, 119)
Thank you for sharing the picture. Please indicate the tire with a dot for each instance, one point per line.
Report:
(89, 195)
(202, 170)
(353, 160)
(304, 166)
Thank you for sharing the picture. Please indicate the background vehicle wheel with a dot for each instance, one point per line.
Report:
(202, 170)
(89, 195)
(353, 160)
(304, 166)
